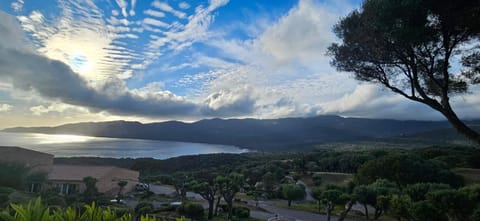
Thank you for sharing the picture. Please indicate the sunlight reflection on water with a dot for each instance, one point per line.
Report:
(62, 138)
(75, 146)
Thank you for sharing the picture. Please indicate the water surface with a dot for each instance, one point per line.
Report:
(75, 146)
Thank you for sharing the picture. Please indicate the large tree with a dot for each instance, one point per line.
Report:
(208, 190)
(293, 192)
(229, 186)
(424, 50)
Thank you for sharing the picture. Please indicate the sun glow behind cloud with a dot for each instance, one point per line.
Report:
(162, 60)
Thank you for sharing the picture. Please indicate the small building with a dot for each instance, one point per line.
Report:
(69, 178)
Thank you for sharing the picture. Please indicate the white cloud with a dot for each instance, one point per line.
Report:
(154, 13)
(302, 35)
(155, 22)
(285, 67)
(167, 8)
(183, 5)
(122, 4)
(58, 108)
(132, 8)
(17, 5)
(5, 107)
(181, 36)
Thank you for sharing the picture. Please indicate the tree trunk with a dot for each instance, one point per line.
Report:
(216, 206)
(329, 214)
(230, 210)
(184, 194)
(289, 203)
(211, 203)
(366, 210)
(329, 210)
(460, 126)
(378, 213)
(343, 215)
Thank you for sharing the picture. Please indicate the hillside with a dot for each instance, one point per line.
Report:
(252, 133)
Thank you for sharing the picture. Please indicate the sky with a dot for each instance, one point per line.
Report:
(68, 61)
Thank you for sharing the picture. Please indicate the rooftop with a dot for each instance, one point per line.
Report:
(77, 173)
(10, 149)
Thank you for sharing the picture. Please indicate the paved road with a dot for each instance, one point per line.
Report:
(170, 190)
(290, 214)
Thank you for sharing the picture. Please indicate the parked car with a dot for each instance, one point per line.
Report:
(142, 187)
(119, 201)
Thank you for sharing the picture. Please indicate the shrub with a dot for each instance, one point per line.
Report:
(144, 208)
(55, 201)
(241, 212)
(317, 179)
(191, 210)
(13, 175)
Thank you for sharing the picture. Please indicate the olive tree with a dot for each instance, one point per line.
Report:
(410, 47)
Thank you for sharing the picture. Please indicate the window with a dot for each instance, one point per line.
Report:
(67, 188)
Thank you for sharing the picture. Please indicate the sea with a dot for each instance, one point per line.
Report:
(64, 145)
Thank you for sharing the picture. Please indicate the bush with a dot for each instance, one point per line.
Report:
(317, 179)
(55, 201)
(147, 194)
(144, 208)
(241, 212)
(13, 175)
(476, 214)
(191, 210)
(4, 193)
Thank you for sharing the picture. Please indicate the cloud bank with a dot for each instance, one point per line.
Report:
(29, 71)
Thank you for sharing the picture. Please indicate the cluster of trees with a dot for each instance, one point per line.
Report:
(419, 201)
(211, 186)
(405, 186)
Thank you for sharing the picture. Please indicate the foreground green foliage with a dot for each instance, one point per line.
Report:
(36, 211)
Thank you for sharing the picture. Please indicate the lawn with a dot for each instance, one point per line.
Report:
(470, 175)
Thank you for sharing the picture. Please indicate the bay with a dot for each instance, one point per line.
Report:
(63, 145)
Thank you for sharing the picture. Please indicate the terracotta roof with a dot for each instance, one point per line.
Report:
(77, 173)
(9, 149)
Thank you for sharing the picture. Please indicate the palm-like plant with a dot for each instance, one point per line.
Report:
(36, 211)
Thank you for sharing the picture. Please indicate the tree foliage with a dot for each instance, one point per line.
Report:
(293, 192)
(405, 169)
(229, 186)
(91, 190)
(409, 47)
(13, 175)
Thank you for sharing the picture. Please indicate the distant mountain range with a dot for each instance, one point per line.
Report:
(255, 133)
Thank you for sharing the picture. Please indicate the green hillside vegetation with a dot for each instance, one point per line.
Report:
(415, 183)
